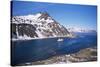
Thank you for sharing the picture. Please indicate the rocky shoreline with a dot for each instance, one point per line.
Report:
(84, 55)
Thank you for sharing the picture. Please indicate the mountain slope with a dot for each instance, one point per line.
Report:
(40, 25)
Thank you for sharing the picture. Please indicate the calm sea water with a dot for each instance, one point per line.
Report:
(24, 51)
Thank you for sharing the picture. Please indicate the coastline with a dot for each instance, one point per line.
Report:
(70, 36)
(84, 55)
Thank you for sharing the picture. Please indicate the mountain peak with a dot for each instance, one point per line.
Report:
(44, 15)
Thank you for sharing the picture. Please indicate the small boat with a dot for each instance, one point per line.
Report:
(60, 39)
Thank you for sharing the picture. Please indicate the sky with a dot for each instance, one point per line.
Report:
(69, 15)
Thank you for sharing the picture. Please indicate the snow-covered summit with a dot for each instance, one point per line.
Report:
(29, 19)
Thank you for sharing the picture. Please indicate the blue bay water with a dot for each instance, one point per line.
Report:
(24, 51)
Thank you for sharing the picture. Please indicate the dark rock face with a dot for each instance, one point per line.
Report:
(23, 29)
(27, 29)
(42, 26)
(57, 29)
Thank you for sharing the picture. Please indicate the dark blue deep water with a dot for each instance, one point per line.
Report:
(23, 51)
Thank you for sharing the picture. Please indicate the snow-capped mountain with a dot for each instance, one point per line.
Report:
(40, 25)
